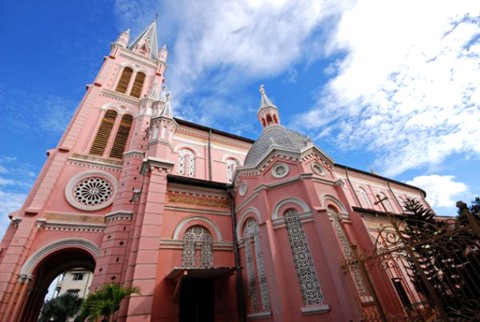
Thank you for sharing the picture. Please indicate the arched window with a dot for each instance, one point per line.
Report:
(122, 135)
(257, 280)
(306, 274)
(103, 133)
(137, 85)
(186, 163)
(365, 199)
(124, 80)
(197, 239)
(231, 166)
(348, 254)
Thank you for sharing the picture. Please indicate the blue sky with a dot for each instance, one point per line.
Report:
(386, 85)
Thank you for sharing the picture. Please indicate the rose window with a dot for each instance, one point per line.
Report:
(93, 191)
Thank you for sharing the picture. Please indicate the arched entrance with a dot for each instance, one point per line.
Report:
(46, 264)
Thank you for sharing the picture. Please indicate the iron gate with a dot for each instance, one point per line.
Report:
(432, 268)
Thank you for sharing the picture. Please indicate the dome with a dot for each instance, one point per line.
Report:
(279, 137)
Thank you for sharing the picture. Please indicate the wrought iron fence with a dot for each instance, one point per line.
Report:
(423, 270)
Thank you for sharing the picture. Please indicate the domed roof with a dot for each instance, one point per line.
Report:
(279, 137)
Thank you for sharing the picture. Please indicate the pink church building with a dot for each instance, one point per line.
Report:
(209, 225)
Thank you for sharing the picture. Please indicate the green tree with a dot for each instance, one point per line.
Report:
(60, 308)
(105, 302)
(446, 253)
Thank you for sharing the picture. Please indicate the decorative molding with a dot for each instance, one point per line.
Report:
(140, 60)
(119, 97)
(90, 161)
(95, 188)
(73, 217)
(294, 201)
(185, 222)
(280, 170)
(38, 256)
(198, 199)
(315, 309)
(119, 215)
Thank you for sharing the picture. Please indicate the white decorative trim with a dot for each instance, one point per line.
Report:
(81, 176)
(184, 222)
(280, 170)
(279, 205)
(119, 215)
(315, 309)
(32, 262)
(329, 199)
(317, 168)
(259, 315)
(121, 109)
(243, 218)
(188, 147)
(243, 189)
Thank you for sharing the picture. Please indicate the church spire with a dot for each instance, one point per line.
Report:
(147, 43)
(268, 112)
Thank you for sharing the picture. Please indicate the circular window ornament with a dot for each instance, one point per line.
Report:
(243, 189)
(317, 168)
(280, 170)
(91, 190)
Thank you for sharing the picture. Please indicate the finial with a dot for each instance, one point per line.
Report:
(262, 90)
(156, 16)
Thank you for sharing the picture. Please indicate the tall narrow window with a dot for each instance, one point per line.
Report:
(364, 195)
(349, 255)
(231, 166)
(186, 163)
(124, 80)
(137, 85)
(197, 239)
(255, 267)
(101, 139)
(122, 135)
(306, 274)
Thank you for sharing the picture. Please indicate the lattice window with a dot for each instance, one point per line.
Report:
(137, 85)
(349, 255)
(122, 136)
(101, 139)
(124, 80)
(186, 163)
(306, 274)
(197, 240)
(231, 166)
(93, 191)
(256, 275)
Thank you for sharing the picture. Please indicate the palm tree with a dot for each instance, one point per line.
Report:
(60, 308)
(106, 301)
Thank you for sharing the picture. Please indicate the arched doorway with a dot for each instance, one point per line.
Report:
(44, 269)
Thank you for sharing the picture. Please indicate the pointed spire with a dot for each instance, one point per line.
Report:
(154, 93)
(124, 38)
(167, 110)
(265, 101)
(163, 53)
(147, 43)
(268, 112)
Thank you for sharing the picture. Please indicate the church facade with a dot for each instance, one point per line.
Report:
(209, 225)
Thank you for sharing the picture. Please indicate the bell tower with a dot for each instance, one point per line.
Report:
(81, 209)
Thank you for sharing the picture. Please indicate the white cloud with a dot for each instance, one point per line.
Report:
(10, 202)
(403, 81)
(237, 40)
(440, 189)
(408, 86)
